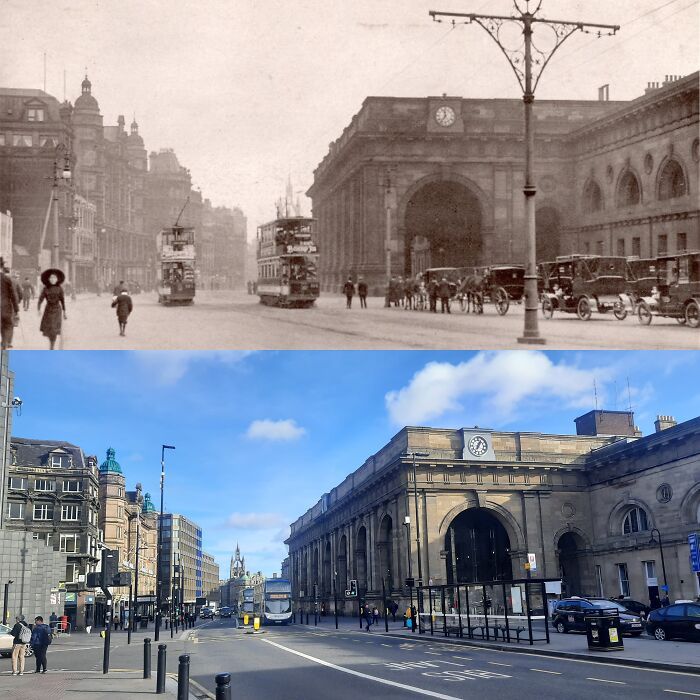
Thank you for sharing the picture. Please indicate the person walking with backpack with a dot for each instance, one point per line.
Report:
(40, 640)
(21, 635)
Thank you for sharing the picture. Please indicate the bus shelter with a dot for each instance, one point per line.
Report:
(506, 611)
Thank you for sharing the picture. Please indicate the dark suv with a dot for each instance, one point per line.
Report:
(570, 615)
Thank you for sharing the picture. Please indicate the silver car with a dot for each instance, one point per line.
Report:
(6, 642)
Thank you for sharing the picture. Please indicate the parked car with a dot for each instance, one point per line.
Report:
(6, 642)
(681, 620)
(226, 612)
(206, 614)
(634, 606)
(569, 615)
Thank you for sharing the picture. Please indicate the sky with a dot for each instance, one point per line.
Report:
(261, 436)
(251, 92)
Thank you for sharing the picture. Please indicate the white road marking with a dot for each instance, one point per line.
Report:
(682, 692)
(495, 663)
(373, 679)
(433, 653)
(541, 670)
(386, 645)
(605, 680)
(463, 658)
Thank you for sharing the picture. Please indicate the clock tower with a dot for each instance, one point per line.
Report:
(445, 115)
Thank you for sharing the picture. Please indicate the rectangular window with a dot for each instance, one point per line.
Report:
(681, 242)
(72, 486)
(70, 512)
(621, 247)
(43, 511)
(600, 247)
(35, 115)
(649, 569)
(69, 543)
(662, 244)
(599, 580)
(624, 580)
(56, 461)
(71, 573)
(44, 485)
(637, 246)
(21, 139)
(47, 141)
(19, 483)
(15, 511)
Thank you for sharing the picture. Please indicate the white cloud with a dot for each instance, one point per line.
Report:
(501, 380)
(275, 430)
(170, 366)
(256, 521)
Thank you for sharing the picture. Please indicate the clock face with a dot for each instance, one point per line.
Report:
(478, 446)
(445, 116)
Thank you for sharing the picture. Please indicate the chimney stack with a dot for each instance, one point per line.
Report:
(663, 422)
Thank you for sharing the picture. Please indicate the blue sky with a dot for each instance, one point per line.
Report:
(260, 436)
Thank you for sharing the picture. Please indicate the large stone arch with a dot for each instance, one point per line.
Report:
(626, 172)
(690, 506)
(457, 201)
(671, 160)
(515, 533)
(572, 547)
(384, 545)
(618, 511)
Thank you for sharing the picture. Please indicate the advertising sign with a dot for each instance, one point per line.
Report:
(532, 561)
(694, 545)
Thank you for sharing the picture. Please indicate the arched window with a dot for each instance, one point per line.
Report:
(672, 180)
(592, 197)
(635, 521)
(628, 192)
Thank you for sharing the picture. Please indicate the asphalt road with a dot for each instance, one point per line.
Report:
(298, 662)
(235, 320)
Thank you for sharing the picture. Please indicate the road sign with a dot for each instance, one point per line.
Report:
(532, 561)
(410, 582)
(694, 545)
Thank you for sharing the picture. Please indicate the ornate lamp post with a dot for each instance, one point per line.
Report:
(159, 564)
(528, 69)
(64, 175)
(653, 540)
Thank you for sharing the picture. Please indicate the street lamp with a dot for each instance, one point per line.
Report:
(413, 456)
(65, 175)
(4, 601)
(159, 565)
(661, 551)
(407, 523)
(528, 70)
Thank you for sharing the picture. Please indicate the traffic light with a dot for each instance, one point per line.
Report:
(353, 588)
(110, 566)
(94, 579)
(121, 580)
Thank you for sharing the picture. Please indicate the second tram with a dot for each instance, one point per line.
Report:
(287, 263)
(176, 283)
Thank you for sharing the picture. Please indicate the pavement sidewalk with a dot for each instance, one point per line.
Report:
(641, 651)
(116, 685)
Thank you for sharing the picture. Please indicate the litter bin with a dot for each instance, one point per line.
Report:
(603, 629)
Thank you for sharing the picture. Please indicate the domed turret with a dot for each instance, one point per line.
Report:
(86, 102)
(110, 465)
(148, 506)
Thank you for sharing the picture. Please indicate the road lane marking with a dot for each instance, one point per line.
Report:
(432, 653)
(682, 692)
(463, 658)
(373, 679)
(605, 680)
(541, 670)
(386, 645)
(495, 663)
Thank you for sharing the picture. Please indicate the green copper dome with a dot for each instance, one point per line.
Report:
(148, 506)
(111, 464)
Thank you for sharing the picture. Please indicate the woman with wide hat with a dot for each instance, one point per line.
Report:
(55, 310)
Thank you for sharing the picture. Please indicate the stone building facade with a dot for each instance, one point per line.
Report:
(53, 495)
(584, 504)
(210, 578)
(612, 177)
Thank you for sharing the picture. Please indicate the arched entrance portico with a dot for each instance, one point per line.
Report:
(386, 552)
(442, 225)
(570, 549)
(478, 548)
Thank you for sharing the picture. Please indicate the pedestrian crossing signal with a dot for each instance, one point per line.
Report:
(353, 588)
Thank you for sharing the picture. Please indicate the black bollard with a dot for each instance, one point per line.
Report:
(223, 686)
(160, 671)
(183, 677)
(147, 658)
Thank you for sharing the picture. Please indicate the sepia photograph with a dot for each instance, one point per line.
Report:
(349, 349)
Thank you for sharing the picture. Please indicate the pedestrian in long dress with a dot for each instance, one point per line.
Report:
(124, 306)
(55, 310)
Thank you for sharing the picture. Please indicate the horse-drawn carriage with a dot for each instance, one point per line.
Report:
(577, 284)
(499, 284)
(676, 293)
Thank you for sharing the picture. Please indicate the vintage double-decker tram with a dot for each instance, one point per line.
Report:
(287, 262)
(176, 253)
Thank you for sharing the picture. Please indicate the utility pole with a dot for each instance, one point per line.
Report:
(528, 70)
(159, 564)
(389, 202)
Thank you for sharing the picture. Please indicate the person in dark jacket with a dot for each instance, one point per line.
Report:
(9, 307)
(19, 648)
(444, 293)
(55, 311)
(367, 614)
(362, 291)
(349, 291)
(433, 290)
(124, 307)
(27, 293)
(41, 638)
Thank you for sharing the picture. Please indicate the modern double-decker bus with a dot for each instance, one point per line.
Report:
(246, 605)
(176, 280)
(287, 262)
(274, 598)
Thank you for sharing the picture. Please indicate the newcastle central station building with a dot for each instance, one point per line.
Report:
(437, 181)
(605, 510)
